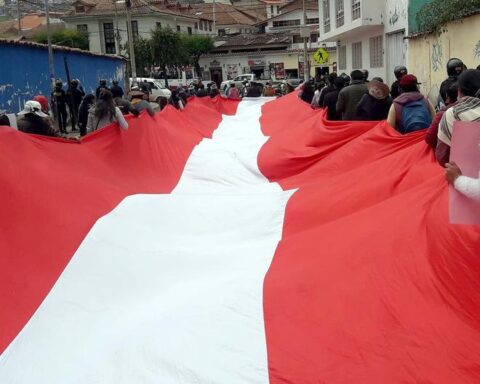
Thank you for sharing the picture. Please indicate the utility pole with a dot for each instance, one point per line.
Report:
(306, 69)
(51, 66)
(214, 19)
(19, 16)
(131, 47)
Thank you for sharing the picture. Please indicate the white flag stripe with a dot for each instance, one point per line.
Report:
(167, 288)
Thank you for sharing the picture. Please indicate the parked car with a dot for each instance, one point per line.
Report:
(241, 80)
(155, 88)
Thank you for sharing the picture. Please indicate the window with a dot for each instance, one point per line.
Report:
(376, 52)
(357, 55)
(356, 9)
(314, 37)
(339, 13)
(342, 57)
(210, 25)
(201, 25)
(79, 9)
(271, 10)
(135, 30)
(286, 23)
(326, 16)
(189, 30)
(82, 28)
(297, 39)
(109, 36)
(178, 28)
(196, 26)
(313, 21)
(221, 32)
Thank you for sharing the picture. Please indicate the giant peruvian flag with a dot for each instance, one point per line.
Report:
(250, 242)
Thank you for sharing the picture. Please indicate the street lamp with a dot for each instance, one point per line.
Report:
(131, 48)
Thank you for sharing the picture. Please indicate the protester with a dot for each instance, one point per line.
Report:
(176, 101)
(331, 98)
(116, 89)
(467, 186)
(316, 96)
(307, 92)
(432, 131)
(104, 113)
(289, 87)
(466, 109)
(213, 90)
(87, 103)
(346, 79)
(140, 104)
(455, 67)
(233, 92)
(162, 102)
(254, 90)
(268, 91)
(399, 71)
(75, 96)
(365, 75)
(43, 102)
(125, 106)
(59, 100)
(410, 111)
(201, 92)
(4, 120)
(33, 120)
(375, 105)
(350, 96)
(329, 88)
(102, 86)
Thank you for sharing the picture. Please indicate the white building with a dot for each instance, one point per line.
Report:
(106, 24)
(368, 34)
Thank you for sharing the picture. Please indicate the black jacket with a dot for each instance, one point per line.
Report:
(372, 109)
(330, 102)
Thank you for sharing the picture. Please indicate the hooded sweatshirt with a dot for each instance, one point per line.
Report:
(404, 99)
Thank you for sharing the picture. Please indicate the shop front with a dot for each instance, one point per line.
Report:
(216, 74)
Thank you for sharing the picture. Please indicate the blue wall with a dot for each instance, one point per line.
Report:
(24, 72)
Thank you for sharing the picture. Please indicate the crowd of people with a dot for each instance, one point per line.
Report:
(355, 98)
(352, 98)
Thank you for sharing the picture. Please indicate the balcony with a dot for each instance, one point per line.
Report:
(350, 18)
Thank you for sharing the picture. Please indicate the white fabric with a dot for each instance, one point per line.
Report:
(468, 186)
(167, 288)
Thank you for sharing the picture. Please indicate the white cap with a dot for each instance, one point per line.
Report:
(34, 107)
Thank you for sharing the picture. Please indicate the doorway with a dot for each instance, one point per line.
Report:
(216, 75)
(395, 53)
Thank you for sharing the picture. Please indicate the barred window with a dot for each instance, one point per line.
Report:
(313, 21)
(326, 16)
(357, 55)
(342, 57)
(376, 52)
(109, 36)
(339, 13)
(356, 9)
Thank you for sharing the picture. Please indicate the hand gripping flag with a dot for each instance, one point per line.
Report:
(250, 242)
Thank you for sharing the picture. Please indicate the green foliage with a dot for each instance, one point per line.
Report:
(434, 16)
(167, 48)
(196, 46)
(65, 37)
(143, 56)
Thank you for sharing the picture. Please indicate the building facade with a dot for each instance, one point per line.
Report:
(368, 34)
(106, 22)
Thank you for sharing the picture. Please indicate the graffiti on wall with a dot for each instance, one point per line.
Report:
(397, 14)
(437, 56)
(476, 50)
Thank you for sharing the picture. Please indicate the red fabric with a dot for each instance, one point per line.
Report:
(53, 190)
(370, 283)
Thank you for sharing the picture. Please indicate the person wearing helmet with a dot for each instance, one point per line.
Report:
(455, 67)
(399, 71)
(116, 89)
(59, 102)
(102, 85)
(74, 97)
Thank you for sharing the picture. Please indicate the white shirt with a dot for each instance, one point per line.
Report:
(468, 186)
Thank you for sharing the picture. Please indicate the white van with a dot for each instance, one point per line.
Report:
(155, 87)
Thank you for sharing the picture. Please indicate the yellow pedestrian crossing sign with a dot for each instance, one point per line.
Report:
(321, 56)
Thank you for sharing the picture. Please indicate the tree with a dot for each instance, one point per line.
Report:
(167, 49)
(65, 37)
(143, 55)
(196, 46)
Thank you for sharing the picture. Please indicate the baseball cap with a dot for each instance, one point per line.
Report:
(34, 107)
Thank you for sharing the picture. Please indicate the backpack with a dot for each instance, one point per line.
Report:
(415, 116)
